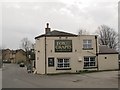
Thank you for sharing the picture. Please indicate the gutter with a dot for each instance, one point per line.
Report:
(96, 52)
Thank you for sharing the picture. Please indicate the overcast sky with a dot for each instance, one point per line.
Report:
(27, 18)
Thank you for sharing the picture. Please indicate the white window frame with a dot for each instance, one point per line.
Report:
(89, 61)
(87, 43)
(63, 63)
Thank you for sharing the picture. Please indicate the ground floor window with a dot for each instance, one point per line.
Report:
(89, 62)
(63, 63)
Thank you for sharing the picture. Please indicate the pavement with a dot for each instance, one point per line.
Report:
(17, 77)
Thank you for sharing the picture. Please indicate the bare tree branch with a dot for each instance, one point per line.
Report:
(26, 45)
(83, 32)
(107, 36)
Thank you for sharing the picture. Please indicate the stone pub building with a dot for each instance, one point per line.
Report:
(62, 52)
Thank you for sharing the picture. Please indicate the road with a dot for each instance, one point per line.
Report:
(0, 78)
(17, 77)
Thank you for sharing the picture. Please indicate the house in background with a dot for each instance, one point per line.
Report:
(62, 52)
(14, 56)
(20, 56)
(6, 55)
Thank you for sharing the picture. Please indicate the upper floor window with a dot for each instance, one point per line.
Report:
(87, 44)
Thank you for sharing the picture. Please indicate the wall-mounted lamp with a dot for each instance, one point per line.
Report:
(79, 59)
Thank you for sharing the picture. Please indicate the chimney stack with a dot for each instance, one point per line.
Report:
(47, 30)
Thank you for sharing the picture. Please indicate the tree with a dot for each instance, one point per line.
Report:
(27, 46)
(107, 36)
(82, 32)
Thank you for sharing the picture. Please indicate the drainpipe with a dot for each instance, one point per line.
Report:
(96, 52)
(45, 57)
(47, 31)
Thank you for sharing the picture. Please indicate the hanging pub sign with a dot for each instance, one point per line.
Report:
(63, 45)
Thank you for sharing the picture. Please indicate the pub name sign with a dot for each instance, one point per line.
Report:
(63, 45)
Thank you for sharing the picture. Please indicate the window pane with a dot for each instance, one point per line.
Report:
(66, 60)
(89, 41)
(60, 60)
(86, 59)
(92, 58)
(60, 65)
(92, 63)
(86, 64)
(84, 45)
(66, 65)
(89, 46)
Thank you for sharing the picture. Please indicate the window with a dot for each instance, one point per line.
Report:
(63, 63)
(89, 62)
(50, 62)
(87, 44)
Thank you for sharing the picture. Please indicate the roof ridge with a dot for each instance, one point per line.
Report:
(56, 33)
(63, 31)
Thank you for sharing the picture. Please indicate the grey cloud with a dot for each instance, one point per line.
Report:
(28, 19)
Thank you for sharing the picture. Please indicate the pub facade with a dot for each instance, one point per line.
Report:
(62, 52)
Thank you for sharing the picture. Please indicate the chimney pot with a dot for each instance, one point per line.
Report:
(47, 30)
(47, 25)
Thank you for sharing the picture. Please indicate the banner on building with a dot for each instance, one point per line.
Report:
(63, 45)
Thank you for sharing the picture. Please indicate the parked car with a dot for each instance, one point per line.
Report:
(22, 64)
(6, 61)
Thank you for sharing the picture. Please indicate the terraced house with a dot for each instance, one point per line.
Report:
(14, 56)
(62, 52)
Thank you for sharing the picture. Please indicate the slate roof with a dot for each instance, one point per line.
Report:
(103, 49)
(56, 33)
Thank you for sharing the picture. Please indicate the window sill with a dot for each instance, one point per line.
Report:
(63, 68)
(89, 67)
(51, 66)
(87, 48)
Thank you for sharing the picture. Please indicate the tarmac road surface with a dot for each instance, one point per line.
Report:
(17, 77)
